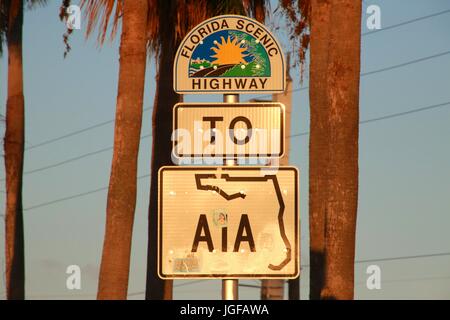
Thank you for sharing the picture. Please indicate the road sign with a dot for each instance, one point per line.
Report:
(228, 130)
(228, 222)
(229, 54)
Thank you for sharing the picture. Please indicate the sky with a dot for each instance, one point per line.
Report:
(403, 208)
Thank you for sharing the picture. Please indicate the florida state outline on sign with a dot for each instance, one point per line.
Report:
(232, 54)
(228, 222)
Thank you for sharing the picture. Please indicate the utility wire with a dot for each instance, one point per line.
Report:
(78, 195)
(382, 69)
(40, 296)
(430, 255)
(408, 280)
(435, 106)
(419, 256)
(74, 133)
(258, 287)
(294, 135)
(363, 282)
(390, 116)
(85, 155)
(406, 63)
(148, 108)
(294, 90)
(407, 22)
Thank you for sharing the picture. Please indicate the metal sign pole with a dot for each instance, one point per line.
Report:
(230, 286)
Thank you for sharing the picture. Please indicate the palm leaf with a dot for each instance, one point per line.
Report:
(298, 13)
(32, 4)
(189, 13)
(100, 12)
(4, 8)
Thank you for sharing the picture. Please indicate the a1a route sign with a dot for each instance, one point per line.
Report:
(228, 130)
(228, 222)
(229, 54)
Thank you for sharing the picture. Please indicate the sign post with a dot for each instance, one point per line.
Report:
(230, 287)
(228, 222)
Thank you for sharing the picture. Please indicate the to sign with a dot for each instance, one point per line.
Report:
(229, 53)
(228, 222)
(228, 130)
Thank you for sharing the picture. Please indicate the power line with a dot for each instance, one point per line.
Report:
(409, 280)
(76, 132)
(85, 155)
(431, 255)
(148, 108)
(383, 69)
(294, 90)
(191, 282)
(73, 133)
(407, 22)
(390, 116)
(291, 136)
(419, 256)
(406, 63)
(37, 296)
(399, 114)
(82, 194)
(363, 282)
(137, 293)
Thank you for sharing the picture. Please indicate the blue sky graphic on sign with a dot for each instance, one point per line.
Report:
(229, 53)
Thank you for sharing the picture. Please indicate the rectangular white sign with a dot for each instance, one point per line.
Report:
(228, 222)
(228, 130)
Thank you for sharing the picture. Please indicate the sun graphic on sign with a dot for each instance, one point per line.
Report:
(228, 52)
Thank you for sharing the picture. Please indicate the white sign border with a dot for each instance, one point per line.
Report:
(296, 251)
(231, 105)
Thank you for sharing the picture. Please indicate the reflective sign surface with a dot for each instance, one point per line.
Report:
(228, 130)
(228, 222)
(227, 54)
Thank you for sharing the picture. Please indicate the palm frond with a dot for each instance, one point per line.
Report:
(258, 9)
(100, 12)
(298, 13)
(187, 14)
(4, 8)
(153, 28)
(32, 4)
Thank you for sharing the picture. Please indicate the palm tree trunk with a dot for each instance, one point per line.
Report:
(115, 265)
(318, 142)
(14, 154)
(165, 99)
(335, 52)
(343, 120)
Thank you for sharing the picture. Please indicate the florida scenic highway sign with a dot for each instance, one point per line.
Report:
(228, 222)
(232, 54)
(228, 130)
